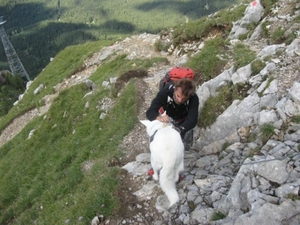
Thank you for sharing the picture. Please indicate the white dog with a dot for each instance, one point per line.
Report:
(167, 152)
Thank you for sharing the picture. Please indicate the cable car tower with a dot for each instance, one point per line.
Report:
(14, 62)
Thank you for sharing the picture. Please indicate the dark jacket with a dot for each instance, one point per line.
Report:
(186, 114)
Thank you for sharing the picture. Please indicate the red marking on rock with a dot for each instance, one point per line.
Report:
(254, 3)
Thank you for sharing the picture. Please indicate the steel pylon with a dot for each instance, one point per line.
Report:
(15, 64)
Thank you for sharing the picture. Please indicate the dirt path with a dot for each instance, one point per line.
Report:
(139, 46)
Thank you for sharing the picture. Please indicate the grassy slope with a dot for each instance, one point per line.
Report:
(42, 177)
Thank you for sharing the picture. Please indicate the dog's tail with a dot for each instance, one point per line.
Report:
(168, 183)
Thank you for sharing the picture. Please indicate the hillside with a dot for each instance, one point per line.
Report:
(39, 30)
(243, 167)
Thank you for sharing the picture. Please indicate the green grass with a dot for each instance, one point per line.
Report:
(10, 91)
(65, 64)
(296, 119)
(42, 178)
(256, 66)
(217, 216)
(196, 30)
(293, 197)
(252, 152)
(277, 36)
(242, 56)
(206, 63)
(267, 4)
(266, 131)
(216, 105)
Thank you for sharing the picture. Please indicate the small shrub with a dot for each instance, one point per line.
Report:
(265, 30)
(257, 66)
(217, 216)
(267, 4)
(290, 37)
(252, 137)
(191, 205)
(296, 119)
(242, 55)
(206, 62)
(250, 27)
(293, 197)
(243, 36)
(196, 30)
(225, 145)
(278, 36)
(160, 46)
(233, 14)
(208, 115)
(267, 130)
(252, 152)
(271, 78)
(216, 105)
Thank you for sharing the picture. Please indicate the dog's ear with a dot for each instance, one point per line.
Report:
(145, 122)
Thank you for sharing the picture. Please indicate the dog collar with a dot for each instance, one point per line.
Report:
(152, 136)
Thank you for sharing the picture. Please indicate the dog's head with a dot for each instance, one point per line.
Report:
(145, 122)
(153, 126)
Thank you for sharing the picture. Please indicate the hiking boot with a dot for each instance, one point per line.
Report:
(180, 178)
(150, 172)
